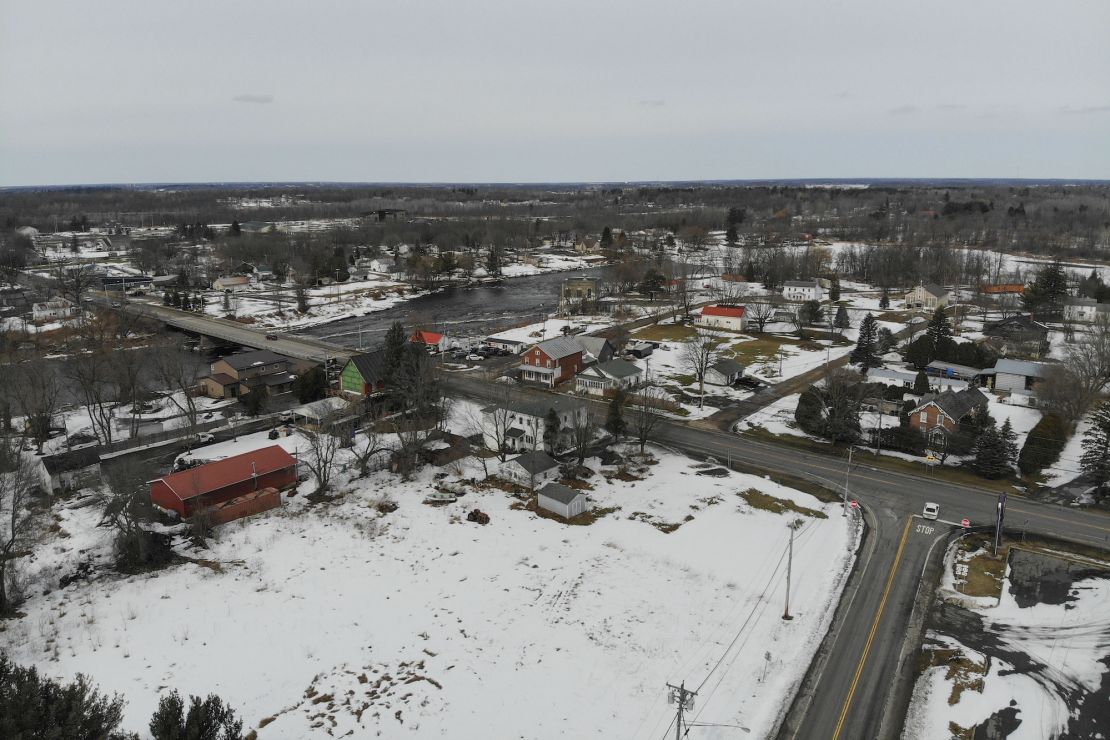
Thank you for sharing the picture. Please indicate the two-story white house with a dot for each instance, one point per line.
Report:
(518, 426)
(803, 290)
(1084, 310)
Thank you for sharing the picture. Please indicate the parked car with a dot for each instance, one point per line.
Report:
(271, 337)
(475, 358)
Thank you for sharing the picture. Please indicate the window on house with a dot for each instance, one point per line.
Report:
(924, 418)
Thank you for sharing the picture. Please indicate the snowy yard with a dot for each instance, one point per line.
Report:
(317, 620)
(1038, 664)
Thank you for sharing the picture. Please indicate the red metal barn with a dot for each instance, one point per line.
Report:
(218, 482)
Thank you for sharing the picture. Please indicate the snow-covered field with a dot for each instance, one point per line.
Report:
(1063, 649)
(334, 618)
(551, 328)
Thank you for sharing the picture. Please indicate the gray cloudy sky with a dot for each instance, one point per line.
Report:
(516, 90)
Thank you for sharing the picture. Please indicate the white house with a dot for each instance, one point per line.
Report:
(803, 290)
(519, 425)
(725, 371)
(54, 310)
(723, 317)
(531, 468)
(562, 500)
(1084, 310)
(608, 376)
(232, 282)
(930, 297)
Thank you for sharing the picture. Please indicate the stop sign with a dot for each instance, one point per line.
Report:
(966, 523)
(855, 504)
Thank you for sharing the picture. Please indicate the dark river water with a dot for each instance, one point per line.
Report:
(458, 312)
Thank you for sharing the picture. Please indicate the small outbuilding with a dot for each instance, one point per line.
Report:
(1018, 375)
(562, 500)
(725, 371)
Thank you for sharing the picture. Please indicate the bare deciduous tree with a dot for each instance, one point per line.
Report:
(645, 419)
(91, 372)
(175, 371)
(16, 481)
(582, 432)
(37, 396)
(760, 313)
(324, 443)
(698, 355)
(368, 445)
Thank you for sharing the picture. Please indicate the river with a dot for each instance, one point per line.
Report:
(458, 312)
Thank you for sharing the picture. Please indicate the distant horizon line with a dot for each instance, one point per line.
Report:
(214, 184)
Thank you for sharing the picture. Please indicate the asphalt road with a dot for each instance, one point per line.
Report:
(850, 696)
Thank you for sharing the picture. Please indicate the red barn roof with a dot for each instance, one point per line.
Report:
(732, 312)
(220, 474)
(426, 337)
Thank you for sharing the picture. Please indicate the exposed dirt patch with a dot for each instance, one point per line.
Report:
(765, 502)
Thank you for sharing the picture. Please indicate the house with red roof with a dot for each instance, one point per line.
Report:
(241, 480)
(430, 340)
(723, 317)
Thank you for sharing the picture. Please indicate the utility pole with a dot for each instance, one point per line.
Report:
(685, 701)
(790, 567)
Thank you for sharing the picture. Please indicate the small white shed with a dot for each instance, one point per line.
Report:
(562, 500)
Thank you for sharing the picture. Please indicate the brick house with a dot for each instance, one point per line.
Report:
(939, 415)
(241, 477)
(552, 362)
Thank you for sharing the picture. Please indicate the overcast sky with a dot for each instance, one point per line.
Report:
(576, 90)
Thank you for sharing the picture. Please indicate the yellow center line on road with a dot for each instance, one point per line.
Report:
(874, 629)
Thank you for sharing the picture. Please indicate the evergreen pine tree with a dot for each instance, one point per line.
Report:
(1044, 444)
(731, 237)
(921, 383)
(991, 454)
(884, 340)
(393, 355)
(1096, 446)
(939, 326)
(864, 354)
(236, 229)
(834, 289)
(1009, 442)
(884, 300)
(606, 237)
(842, 321)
